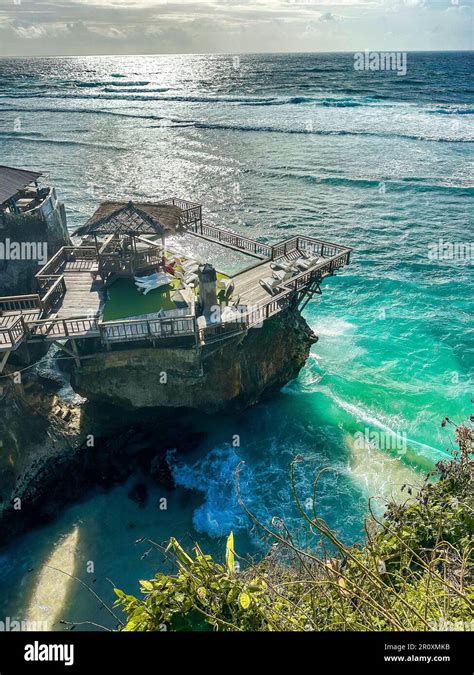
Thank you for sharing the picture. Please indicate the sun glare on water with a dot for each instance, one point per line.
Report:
(49, 596)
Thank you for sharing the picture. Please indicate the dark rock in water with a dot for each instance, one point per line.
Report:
(139, 494)
(160, 470)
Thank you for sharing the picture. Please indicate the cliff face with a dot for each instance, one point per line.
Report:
(232, 375)
(49, 231)
(52, 451)
(47, 458)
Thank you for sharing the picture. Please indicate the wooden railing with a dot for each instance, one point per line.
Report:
(47, 277)
(112, 331)
(54, 265)
(126, 331)
(228, 238)
(315, 247)
(191, 211)
(74, 253)
(14, 334)
(14, 303)
(308, 245)
(284, 248)
(111, 263)
(55, 293)
(45, 283)
(63, 328)
(66, 254)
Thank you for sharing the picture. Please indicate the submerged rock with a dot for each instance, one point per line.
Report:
(160, 470)
(227, 376)
(139, 494)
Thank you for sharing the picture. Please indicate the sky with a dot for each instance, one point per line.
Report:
(82, 27)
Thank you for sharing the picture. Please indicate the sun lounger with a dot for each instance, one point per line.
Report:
(284, 275)
(305, 263)
(190, 279)
(190, 266)
(282, 264)
(271, 285)
(152, 281)
(223, 284)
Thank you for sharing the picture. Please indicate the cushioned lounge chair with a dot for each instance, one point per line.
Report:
(271, 285)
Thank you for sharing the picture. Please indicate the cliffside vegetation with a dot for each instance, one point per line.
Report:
(414, 572)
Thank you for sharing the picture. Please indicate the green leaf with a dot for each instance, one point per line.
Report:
(180, 552)
(229, 553)
(146, 586)
(244, 600)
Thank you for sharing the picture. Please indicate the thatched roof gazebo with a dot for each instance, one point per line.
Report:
(128, 221)
(128, 218)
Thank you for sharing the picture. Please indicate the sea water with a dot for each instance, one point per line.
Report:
(271, 145)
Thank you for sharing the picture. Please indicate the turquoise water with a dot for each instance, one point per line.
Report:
(279, 145)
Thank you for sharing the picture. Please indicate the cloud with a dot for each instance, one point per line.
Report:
(26, 32)
(109, 32)
(37, 27)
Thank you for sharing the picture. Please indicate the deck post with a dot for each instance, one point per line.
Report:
(4, 360)
(150, 334)
(76, 353)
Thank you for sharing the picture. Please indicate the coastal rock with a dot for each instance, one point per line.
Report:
(17, 276)
(227, 376)
(53, 452)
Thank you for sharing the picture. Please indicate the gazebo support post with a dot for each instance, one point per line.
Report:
(97, 250)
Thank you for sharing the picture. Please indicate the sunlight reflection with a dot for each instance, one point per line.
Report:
(49, 596)
(379, 473)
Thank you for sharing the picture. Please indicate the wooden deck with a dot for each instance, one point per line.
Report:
(247, 285)
(70, 296)
(83, 297)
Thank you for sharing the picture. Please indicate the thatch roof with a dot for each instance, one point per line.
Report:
(132, 219)
(13, 180)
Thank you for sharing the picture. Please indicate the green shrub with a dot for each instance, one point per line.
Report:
(414, 572)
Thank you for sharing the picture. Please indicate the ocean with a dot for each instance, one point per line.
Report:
(271, 145)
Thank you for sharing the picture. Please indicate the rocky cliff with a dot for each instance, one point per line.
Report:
(53, 451)
(230, 375)
(49, 231)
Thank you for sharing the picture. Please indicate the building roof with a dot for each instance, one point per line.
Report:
(130, 218)
(13, 180)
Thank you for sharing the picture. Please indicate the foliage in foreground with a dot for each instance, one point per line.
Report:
(413, 573)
